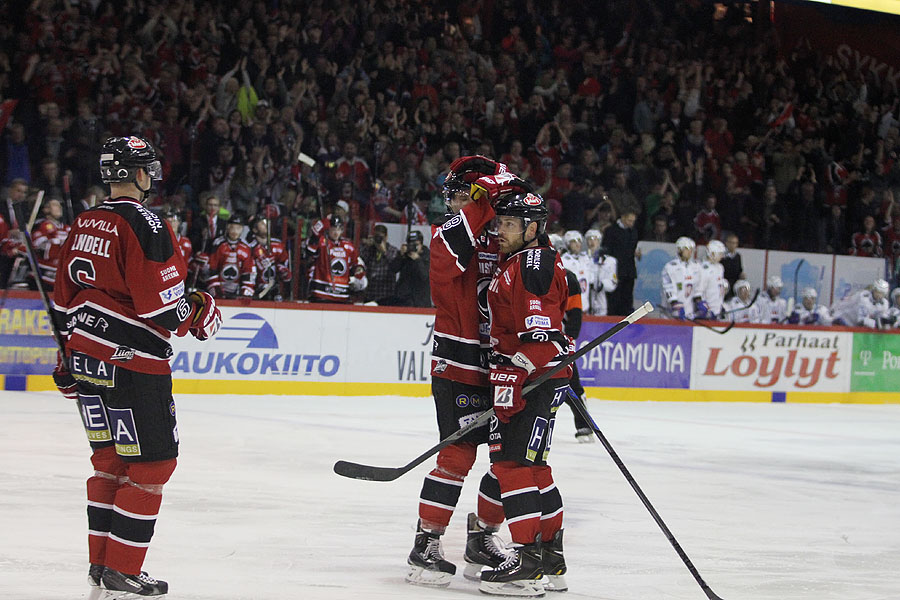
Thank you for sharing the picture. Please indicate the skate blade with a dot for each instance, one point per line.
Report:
(96, 593)
(118, 595)
(422, 576)
(555, 583)
(585, 439)
(473, 571)
(527, 588)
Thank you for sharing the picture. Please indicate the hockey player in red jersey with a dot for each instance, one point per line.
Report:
(119, 296)
(181, 241)
(272, 261)
(232, 272)
(463, 258)
(338, 270)
(48, 235)
(527, 299)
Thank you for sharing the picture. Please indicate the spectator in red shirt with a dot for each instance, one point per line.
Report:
(868, 241)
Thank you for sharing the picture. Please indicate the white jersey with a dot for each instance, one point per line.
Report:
(680, 281)
(713, 286)
(739, 312)
(819, 315)
(585, 271)
(862, 310)
(893, 318)
(772, 310)
(605, 281)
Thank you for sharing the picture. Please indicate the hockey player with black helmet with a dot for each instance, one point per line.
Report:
(232, 272)
(337, 271)
(120, 294)
(527, 299)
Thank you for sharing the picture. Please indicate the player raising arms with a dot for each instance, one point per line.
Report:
(463, 259)
(527, 299)
(119, 296)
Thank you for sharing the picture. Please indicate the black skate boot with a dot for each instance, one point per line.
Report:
(584, 435)
(426, 561)
(518, 575)
(121, 586)
(554, 565)
(483, 549)
(95, 574)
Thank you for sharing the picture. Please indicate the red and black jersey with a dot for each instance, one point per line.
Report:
(184, 244)
(120, 290)
(528, 298)
(891, 240)
(48, 237)
(231, 269)
(8, 246)
(866, 244)
(335, 265)
(271, 263)
(709, 225)
(463, 261)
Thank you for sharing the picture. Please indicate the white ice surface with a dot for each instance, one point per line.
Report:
(769, 501)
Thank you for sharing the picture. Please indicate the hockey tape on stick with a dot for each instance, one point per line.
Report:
(579, 406)
(371, 473)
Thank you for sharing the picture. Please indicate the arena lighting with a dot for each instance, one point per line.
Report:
(885, 6)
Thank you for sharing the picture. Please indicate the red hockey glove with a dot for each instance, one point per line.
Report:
(318, 226)
(473, 167)
(64, 381)
(494, 186)
(284, 273)
(507, 382)
(205, 316)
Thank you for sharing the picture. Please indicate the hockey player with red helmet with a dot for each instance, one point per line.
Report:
(338, 270)
(232, 272)
(527, 299)
(120, 294)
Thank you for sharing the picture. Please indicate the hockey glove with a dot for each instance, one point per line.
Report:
(318, 227)
(205, 316)
(64, 381)
(284, 273)
(794, 319)
(507, 382)
(494, 186)
(678, 311)
(701, 309)
(473, 167)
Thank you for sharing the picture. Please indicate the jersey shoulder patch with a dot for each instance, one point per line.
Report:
(152, 232)
(538, 267)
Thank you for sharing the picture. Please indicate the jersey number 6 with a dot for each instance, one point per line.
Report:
(81, 271)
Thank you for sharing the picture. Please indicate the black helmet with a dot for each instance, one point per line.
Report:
(454, 184)
(337, 221)
(121, 157)
(236, 219)
(529, 207)
(170, 213)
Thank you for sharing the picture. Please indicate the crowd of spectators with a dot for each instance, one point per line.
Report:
(692, 118)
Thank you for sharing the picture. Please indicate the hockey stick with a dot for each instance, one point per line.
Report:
(371, 473)
(34, 213)
(32, 258)
(698, 321)
(582, 409)
(752, 302)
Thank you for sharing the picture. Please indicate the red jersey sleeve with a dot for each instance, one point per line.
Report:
(453, 244)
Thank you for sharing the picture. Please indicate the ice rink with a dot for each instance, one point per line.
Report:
(770, 501)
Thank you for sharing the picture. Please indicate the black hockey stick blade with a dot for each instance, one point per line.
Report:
(711, 328)
(580, 407)
(372, 473)
(752, 302)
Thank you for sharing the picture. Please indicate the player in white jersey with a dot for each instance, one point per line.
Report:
(713, 284)
(893, 318)
(577, 261)
(605, 279)
(772, 306)
(809, 312)
(865, 308)
(741, 308)
(680, 279)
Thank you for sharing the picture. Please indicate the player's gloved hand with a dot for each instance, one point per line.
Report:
(473, 167)
(678, 310)
(284, 273)
(701, 309)
(493, 186)
(507, 382)
(794, 319)
(247, 290)
(359, 281)
(812, 319)
(868, 322)
(64, 381)
(318, 227)
(205, 316)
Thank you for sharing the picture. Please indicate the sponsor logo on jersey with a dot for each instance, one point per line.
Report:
(533, 259)
(98, 224)
(124, 431)
(173, 293)
(537, 321)
(170, 272)
(534, 304)
(122, 353)
(487, 256)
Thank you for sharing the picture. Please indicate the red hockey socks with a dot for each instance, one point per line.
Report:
(551, 503)
(441, 488)
(521, 500)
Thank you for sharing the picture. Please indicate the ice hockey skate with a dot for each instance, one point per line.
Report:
(554, 565)
(519, 575)
(483, 549)
(584, 435)
(95, 574)
(426, 561)
(121, 586)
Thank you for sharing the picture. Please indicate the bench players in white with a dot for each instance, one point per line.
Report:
(577, 261)
(741, 307)
(712, 282)
(810, 312)
(680, 279)
(865, 308)
(605, 279)
(772, 306)
(893, 318)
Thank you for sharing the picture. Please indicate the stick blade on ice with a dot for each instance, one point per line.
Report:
(366, 472)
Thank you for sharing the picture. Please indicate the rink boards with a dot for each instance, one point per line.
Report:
(266, 348)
